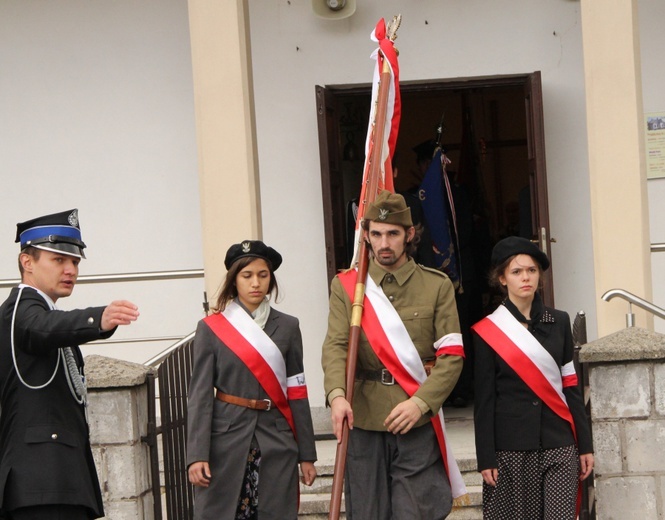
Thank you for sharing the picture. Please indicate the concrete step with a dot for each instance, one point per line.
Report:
(315, 504)
(466, 513)
(324, 479)
(318, 504)
(315, 507)
(315, 500)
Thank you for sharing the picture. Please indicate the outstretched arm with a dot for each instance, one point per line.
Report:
(119, 312)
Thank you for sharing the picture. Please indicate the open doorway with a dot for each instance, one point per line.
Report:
(493, 135)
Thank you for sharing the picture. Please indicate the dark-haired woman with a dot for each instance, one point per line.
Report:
(249, 422)
(533, 442)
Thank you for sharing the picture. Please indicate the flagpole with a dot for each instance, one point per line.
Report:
(371, 188)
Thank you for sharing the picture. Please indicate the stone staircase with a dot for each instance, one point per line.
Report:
(315, 500)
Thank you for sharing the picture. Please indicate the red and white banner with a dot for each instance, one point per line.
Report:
(385, 53)
(384, 330)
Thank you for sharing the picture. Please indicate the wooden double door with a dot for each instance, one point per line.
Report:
(492, 130)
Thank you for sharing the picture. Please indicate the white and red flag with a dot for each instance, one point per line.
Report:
(384, 54)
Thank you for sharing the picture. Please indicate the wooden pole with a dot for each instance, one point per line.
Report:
(359, 295)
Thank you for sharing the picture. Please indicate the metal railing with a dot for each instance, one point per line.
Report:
(157, 360)
(633, 300)
(658, 248)
(588, 502)
(174, 375)
(124, 277)
(145, 276)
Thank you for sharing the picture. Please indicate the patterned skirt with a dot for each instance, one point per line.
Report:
(534, 485)
(248, 502)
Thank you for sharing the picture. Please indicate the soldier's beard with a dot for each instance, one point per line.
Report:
(383, 258)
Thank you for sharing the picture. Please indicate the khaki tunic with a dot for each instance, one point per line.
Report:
(425, 300)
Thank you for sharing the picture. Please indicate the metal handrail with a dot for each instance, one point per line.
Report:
(125, 277)
(156, 360)
(632, 299)
(134, 340)
(134, 277)
(658, 248)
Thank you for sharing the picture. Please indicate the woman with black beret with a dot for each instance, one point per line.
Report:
(533, 441)
(249, 422)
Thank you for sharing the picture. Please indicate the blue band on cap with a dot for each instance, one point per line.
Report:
(44, 231)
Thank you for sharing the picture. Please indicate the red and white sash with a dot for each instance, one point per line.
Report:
(529, 359)
(238, 331)
(392, 344)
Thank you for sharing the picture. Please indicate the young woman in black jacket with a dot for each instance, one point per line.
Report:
(533, 441)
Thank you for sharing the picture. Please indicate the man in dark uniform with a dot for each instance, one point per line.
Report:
(424, 253)
(46, 465)
(395, 467)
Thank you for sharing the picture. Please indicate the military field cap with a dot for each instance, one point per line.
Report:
(511, 246)
(254, 248)
(388, 208)
(58, 232)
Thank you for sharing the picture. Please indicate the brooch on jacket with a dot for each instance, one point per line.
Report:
(547, 317)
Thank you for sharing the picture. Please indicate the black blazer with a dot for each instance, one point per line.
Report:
(508, 415)
(45, 455)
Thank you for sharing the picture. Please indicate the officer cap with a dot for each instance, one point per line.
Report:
(58, 232)
(388, 208)
(425, 150)
(511, 246)
(252, 248)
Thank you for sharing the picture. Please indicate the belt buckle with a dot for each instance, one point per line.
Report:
(268, 403)
(387, 378)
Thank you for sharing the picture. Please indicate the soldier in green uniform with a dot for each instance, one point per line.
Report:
(395, 465)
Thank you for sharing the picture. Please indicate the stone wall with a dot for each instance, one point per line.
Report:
(118, 418)
(627, 384)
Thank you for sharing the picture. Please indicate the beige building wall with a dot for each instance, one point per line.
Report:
(108, 107)
(617, 173)
(226, 139)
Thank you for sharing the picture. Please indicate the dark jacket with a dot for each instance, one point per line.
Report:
(45, 455)
(508, 415)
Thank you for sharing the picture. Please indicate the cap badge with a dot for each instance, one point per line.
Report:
(73, 218)
(383, 214)
(246, 247)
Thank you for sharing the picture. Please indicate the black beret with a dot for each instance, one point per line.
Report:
(254, 248)
(425, 150)
(57, 232)
(511, 246)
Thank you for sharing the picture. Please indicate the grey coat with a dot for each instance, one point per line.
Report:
(220, 433)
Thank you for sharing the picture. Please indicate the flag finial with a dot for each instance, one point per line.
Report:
(391, 30)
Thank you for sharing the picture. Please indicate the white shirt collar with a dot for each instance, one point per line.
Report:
(50, 302)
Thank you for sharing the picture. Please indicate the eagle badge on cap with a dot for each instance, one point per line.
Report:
(73, 218)
(246, 246)
(383, 214)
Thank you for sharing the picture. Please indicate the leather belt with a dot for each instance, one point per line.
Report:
(385, 377)
(254, 404)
